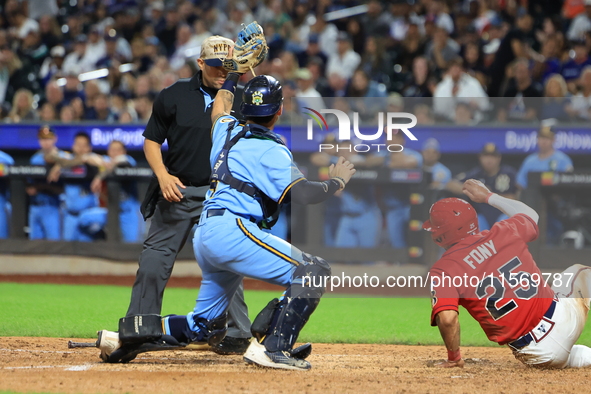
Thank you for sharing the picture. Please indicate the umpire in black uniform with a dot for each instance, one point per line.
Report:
(182, 116)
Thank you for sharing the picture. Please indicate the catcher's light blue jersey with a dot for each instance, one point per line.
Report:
(271, 169)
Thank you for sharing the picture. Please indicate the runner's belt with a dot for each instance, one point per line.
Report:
(528, 338)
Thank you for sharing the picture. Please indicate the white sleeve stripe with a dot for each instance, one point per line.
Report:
(512, 207)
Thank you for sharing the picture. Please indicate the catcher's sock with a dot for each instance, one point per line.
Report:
(177, 327)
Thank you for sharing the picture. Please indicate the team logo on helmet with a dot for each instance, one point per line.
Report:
(257, 98)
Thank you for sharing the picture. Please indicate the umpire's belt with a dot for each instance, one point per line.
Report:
(221, 212)
(530, 337)
(189, 183)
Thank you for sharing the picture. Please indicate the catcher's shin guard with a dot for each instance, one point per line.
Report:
(140, 328)
(289, 315)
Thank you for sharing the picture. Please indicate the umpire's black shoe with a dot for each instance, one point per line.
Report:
(231, 345)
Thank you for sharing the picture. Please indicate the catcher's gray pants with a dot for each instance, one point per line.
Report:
(171, 225)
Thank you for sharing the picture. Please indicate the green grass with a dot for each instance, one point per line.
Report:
(79, 311)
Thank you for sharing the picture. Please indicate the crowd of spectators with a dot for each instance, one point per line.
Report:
(105, 60)
(462, 61)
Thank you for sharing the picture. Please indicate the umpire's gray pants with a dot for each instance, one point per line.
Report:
(171, 225)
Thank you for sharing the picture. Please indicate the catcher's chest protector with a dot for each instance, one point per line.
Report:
(221, 172)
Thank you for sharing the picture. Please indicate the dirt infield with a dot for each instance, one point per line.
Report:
(47, 365)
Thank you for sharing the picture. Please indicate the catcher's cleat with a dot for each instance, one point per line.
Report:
(258, 354)
(108, 342)
(231, 346)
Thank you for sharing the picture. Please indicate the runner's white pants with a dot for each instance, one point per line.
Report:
(554, 339)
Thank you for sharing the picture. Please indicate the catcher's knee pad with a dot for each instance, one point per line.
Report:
(280, 322)
(309, 278)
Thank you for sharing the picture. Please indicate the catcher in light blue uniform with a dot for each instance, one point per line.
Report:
(253, 174)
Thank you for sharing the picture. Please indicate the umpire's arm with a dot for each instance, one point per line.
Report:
(155, 134)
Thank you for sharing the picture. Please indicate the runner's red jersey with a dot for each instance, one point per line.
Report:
(493, 275)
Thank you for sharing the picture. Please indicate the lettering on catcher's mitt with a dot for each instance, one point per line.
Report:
(250, 50)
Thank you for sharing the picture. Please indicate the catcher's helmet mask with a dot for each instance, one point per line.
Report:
(262, 96)
(450, 221)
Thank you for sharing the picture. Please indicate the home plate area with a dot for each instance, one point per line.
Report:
(47, 365)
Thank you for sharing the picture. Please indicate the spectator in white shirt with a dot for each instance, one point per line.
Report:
(442, 18)
(306, 93)
(201, 33)
(327, 35)
(95, 48)
(458, 86)
(75, 59)
(345, 60)
(580, 24)
(53, 65)
(183, 43)
(23, 24)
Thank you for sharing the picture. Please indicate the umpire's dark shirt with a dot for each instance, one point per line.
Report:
(180, 116)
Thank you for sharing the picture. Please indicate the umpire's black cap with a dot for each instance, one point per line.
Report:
(262, 96)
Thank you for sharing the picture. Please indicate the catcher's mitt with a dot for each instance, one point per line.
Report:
(249, 51)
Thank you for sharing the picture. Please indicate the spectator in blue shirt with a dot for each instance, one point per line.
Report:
(44, 197)
(571, 69)
(440, 174)
(546, 159)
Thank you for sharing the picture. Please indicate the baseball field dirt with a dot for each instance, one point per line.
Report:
(47, 365)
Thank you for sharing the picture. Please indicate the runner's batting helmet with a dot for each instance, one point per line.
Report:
(450, 221)
(262, 96)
